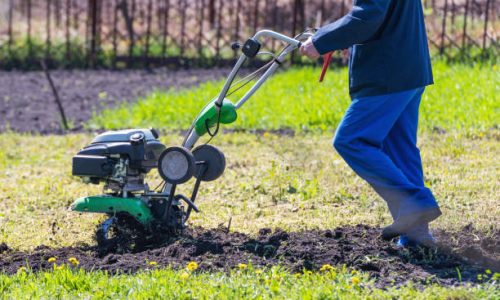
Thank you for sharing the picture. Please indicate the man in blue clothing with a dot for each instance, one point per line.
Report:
(389, 67)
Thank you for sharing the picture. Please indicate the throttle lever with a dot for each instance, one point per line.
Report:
(327, 58)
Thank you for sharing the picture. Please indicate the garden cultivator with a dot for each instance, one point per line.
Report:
(122, 159)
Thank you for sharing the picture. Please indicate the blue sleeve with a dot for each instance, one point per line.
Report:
(358, 26)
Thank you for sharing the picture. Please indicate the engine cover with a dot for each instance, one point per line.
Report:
(119, 156)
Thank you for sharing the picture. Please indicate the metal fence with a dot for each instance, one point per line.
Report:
(128, 33)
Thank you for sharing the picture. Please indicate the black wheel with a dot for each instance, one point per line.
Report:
(120, 234)
(214, 160)
(176, 165)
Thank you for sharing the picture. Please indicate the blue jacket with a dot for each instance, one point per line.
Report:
(389, 46)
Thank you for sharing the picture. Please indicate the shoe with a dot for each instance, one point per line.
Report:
(404, 224)
(419, 236)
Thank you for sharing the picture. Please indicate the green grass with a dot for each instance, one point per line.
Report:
(464, 99)
(248, 283)
(294, 183)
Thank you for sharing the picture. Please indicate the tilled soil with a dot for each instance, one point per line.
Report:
(358, 247)
(27, 103)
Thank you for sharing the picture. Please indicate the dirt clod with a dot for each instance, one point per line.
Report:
(4, 248)
(358, 247)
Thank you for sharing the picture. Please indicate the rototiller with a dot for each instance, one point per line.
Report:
(121, 159)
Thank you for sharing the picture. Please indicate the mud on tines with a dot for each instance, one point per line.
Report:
(358, 247)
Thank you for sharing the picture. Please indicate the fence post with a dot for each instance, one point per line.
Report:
(30, 46)
(11, 15)
(48, 38)
(76, 16)
(68, 25)
(464, 32)
(236, 34)
(165, 29)
(485, 32)
(219, 31)
(200, 30)
(148, 33)
(93, 32)
(183, 7)
(443, 28)
(115, 32)
(453, 8)
(211, 12)
(256, 16)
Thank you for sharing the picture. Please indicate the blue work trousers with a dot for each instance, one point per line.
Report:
(378, 139)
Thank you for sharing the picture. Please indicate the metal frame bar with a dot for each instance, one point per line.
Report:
(292, 45)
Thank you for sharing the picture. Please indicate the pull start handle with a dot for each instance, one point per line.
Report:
(327, 58)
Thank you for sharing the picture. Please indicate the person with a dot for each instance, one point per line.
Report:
(389, 68)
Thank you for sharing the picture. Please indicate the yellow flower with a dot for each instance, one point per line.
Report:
(60, 267)
(191, 266)
(152, 263)
(21, 270)
(242, 266)
(354, 272)
(308, 272)
(259, 271)
(326, 267)
(184, 275)
(297, 274)
(266, 134)
(275, 288)
(355, 280)
(52, 260)
(73, 261)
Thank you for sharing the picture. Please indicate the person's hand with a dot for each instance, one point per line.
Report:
(309, 50)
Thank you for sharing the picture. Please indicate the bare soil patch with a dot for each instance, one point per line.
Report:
(358, 247)
(27, 103)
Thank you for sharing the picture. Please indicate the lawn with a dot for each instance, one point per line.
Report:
(464, 99)
(292, 182)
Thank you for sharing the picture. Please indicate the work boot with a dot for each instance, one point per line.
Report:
(404, 224)
(419, 236)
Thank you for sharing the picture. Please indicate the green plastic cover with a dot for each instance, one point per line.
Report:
(112, 205)
(228, 115)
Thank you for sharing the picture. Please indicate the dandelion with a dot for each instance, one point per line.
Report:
(184, 275)
(266, 134)
(496, 276)
(191, 266)
(275, 288)
(297, 275)
(326, 268)
(355, 280)
(242, 266)
(60, 267)
(259, 271)
(153, 263)
(73, 261)
(52, 260)
(308, 272)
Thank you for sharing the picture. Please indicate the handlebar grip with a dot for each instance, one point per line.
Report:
(327, 58)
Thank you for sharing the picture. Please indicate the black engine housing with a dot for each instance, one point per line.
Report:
(132, 152)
